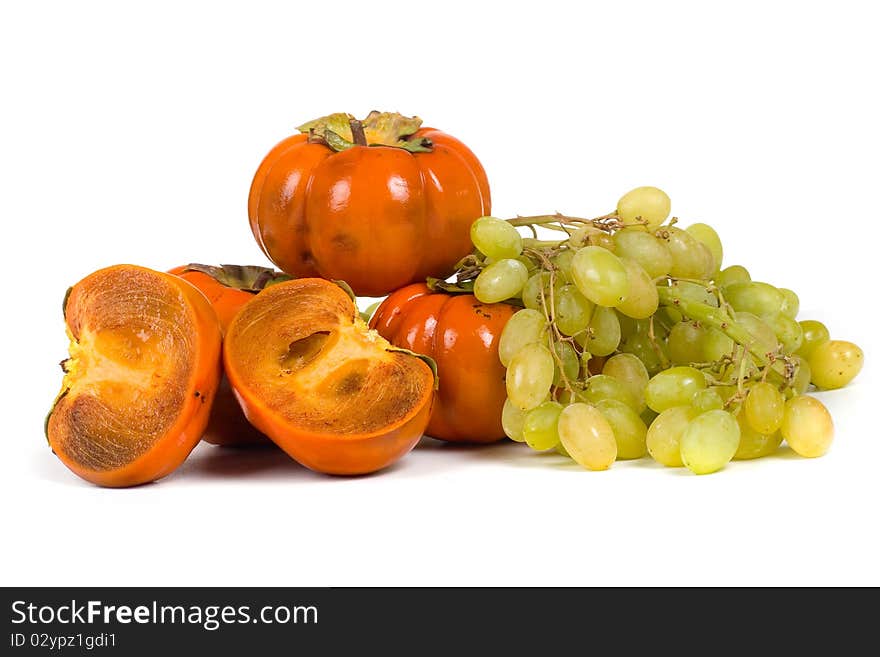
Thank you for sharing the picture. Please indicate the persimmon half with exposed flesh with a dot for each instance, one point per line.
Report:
(141, 378)
(334, 395)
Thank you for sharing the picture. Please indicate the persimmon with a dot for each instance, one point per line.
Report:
(140, 381)
(309, 374)
(378, 203)
(228, 288)
(461, 334)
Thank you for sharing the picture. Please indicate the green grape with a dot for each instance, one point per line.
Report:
(835, 363)
(764, 336)
(790, 303)
(572, 310)
(663, 439)
(496, 238)
(571, 364)
(695, 292)
(587, 436)
(562, 262)
(807, 426)
(789, 333)
(690, 258)
(603, 335)
(705, 234)
(631, 372)
(629, 430)
(529, 376)
(651, 253)
(639, 344)
(709, 442)
(641, 298)
(531, 292)
(630, 326)
(512, 420)
(648, 416)
(753, 445)
(802, 374)
(716, 345)
(815, 333)
(644, 205)
(501, 280)
(731, 275)
(601, 387)
(539, 428)
(524, 327)
(707, 400)
(761, 299)
(599, 275)
(764, 407)
(685, 343)
(673, 387)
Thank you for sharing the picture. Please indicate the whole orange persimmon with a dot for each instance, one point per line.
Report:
(378, 203)
(461, 334)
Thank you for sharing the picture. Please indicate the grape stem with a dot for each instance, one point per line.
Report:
(721, 320)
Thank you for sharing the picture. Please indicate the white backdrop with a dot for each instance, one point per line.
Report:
(131, 135)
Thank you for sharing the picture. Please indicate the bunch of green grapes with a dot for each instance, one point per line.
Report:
(632, 340)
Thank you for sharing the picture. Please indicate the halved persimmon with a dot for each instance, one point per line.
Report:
(334, 395)
(228, 288)
(141, 377)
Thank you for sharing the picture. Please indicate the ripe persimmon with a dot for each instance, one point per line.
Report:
(461, 334)
(143, 370)
(378, 203)
(334, 395)
(228, 288)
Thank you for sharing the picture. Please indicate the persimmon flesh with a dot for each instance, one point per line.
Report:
(143, 370)
(336, 396)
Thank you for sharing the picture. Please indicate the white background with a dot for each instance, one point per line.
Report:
(131, 136)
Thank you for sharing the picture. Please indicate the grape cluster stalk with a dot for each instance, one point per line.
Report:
(632, 340)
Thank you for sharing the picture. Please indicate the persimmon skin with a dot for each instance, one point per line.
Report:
(168, 451)
(227, 427)
(328, 310)
(377, 217)
(461, 334)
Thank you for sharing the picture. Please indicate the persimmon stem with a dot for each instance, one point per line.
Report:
(357, 132)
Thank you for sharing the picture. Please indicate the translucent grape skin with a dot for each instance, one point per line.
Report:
(791, 304)
(709, 442)
(663, 439)
(587, 436)
(631, 372)
(802, 374)
(685, 342)
(571, 364)
(835, 363)
(644, 205)
(764, 408)
(707, 400)
(815, 333)
(731, 275)
(753, 445)
(788, 331)
(807, 426)
(651, 253)
(539, 428)
(524, 327)
(706, 234)
(599, 275)
(529, 376)
(496, 238)
(640, 300)
(673, 387)
(690, 257)
(572, 310)
(500, 281)
(531, 292)
(601, 387)
(603, 335)
(629, 430)
(761, 299)
(512, 420)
